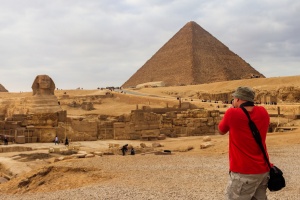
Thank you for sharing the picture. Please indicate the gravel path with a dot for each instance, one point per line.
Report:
(178, 176)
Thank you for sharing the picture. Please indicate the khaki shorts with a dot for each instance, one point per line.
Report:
(247, 186)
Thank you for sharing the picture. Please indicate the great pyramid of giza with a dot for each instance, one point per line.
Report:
(192, 56)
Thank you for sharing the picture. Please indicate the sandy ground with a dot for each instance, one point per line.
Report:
(195, 174)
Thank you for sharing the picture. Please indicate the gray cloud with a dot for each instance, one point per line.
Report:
(95, 43)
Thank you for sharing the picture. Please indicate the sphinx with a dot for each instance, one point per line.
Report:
(43, 99)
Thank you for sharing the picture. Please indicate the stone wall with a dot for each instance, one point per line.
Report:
(145, 125)
(190, 123)
(26, 128)
(83, 130)
(140, 124)
(105, 129)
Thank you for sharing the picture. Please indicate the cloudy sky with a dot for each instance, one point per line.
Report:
(99, 43)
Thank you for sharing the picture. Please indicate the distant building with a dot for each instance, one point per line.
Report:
(151, 84)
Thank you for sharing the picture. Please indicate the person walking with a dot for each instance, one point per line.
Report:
(5, 140)
(56, 140)
(67, 142)
(124, 149)
(248, 170)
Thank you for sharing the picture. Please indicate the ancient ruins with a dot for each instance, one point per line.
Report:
(33, 119)
(39, 118)
(153, 124)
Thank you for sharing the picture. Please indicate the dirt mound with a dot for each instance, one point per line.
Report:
(34, 156)
(53, 178)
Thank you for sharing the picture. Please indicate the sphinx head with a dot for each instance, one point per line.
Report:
(43, 85)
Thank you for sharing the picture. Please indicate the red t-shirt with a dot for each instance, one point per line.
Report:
(245, 156)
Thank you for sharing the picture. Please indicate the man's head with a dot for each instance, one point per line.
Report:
(243, 94)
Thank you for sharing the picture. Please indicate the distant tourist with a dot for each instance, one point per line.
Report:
(124, 149)
(132, 151)
(67, 141)
(5, 141)
(56, 140)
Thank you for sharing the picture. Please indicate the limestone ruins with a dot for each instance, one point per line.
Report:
(40, 118)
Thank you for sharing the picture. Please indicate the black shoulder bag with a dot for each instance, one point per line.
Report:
(276, 181)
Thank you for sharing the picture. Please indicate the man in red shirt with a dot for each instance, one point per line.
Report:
(249, 172)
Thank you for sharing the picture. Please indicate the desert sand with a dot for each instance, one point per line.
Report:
(194, 174)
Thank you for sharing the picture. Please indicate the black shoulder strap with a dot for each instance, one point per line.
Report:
(256, 135)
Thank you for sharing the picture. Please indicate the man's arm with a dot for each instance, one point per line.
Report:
(222, 133)
(223, 126)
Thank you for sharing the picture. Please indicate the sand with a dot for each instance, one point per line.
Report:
(195, 174)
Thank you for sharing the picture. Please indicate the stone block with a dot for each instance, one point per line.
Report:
(84, 126)
(180, 131)
(80, 155)
(203, 120)
(210, 121)
(206, 139)
(171, 115)
(20, 140)
(56, 149)
(178, 122)
(119, 125)
(166, 125)
(98, 153)
(161, 137)
(150, 133)
(89, 155)
(190, 131)
(215, 113)
(153, 126)
(138, 127)
(205, 145)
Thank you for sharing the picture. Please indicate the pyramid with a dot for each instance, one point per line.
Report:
(2, 89)
(192, 56)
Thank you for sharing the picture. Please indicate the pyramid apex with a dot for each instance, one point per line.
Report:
(191, 22)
